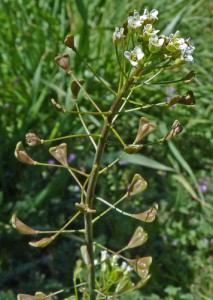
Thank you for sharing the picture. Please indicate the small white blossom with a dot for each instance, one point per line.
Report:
(134, 56)
(124, 265)
(148, 31)
(104, 255)
(118, 35)
(176, 43)
(126, 268)
(155, 44)
(134, 22)
(149, 16)
(114, 260)
(187, 57)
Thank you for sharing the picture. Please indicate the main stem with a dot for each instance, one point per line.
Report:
(91, 188)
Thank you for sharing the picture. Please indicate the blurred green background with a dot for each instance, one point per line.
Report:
(179, 173)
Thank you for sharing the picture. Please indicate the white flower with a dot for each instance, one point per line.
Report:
(118, 35)
(187, 57)
(149, 16)
(176, 43)
(134, 56)
(114, 260)
(134, 22)
(104, 255)
(148, 31)
(155, 44)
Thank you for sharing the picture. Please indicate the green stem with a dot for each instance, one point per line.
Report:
(112, 163)
(110, 251)
(70, 137)
(84, 125)
(111, 206)
(67, 224)
(91, 188)
(96, 75)
(61, 231)
(85, 93)
(93, 113)
(36, 163)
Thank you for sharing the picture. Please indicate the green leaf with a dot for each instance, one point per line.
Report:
(185, 166)
(142, 160)
(181, 179)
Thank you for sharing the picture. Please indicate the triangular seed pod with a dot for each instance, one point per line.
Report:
(60, 153)
(139, 238)
(145, 128)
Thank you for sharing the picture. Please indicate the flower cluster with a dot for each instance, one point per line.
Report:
(161, 47)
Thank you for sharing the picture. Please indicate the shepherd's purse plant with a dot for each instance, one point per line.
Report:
(142, 53)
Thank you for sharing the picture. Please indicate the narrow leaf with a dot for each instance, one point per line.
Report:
(187, 186)
(142, 160)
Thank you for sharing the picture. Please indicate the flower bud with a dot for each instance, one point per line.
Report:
(145, 128)
(69, 42)
(32, 139)
(84, 208)
(22, 155)
(63, 61)
(60, 153)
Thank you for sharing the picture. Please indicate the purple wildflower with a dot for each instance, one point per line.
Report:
(71, 157)
(203, 184)
(121, 162)
(51, 162)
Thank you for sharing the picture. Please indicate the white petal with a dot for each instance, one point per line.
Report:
(127, 54)
(154, 13)
(133, 62)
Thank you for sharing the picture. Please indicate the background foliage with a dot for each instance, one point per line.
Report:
(180, 240)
